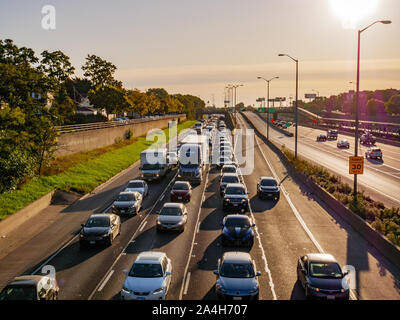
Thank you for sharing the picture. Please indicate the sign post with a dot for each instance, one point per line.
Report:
(356, 165)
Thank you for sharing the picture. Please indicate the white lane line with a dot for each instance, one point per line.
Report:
(133, 237)
(144, 224)
(294, 209)
(264, 257)
(187, 283)
(194, 236)
(106, 280)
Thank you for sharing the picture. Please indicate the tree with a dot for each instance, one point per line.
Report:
(375, 106)
(393, 105)
(56, 65)
(138, 101)
(77, 87)
(109, 97)
(100, 72)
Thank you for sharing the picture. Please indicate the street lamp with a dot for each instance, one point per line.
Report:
(268, 81)
(357, 96)
(234, 87)
(296, 109)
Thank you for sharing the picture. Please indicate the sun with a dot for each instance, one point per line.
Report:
(351, 11)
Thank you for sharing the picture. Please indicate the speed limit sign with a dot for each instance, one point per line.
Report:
(356, 165)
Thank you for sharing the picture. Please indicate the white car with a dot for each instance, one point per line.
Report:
(139, 186)
(343, 144)
(373, 153)
(149, 277)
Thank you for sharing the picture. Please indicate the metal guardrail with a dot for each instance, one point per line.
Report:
(109, 124)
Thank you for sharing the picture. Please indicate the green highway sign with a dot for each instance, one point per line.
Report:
(271, 110)
(261, 110)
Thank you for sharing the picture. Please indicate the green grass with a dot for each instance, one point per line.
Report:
(81, 178)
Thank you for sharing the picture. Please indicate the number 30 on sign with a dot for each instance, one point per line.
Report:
(356, 165)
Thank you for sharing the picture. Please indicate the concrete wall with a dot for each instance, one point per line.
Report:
(70, 143)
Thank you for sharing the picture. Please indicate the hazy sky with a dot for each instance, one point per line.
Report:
(199, 46)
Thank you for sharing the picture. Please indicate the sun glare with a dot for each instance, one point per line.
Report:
(351, 11)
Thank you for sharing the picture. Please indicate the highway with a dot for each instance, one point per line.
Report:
(285, 230)
(381, 179)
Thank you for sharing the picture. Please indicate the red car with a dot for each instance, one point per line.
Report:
(181, 191)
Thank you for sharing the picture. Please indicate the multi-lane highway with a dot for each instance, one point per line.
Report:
(381, 179)
(285, 230)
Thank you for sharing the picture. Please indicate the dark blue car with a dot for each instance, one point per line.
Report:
(237, 230)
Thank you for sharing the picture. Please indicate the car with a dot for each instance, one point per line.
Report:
(100, 228)
(222, 161)
(237, 230)
(127, 202)
(31, 287)
(173, 216)
(373, 153)
(332, 134)
(149, 278)
(321, 137)
(226, 153)
(237, 277)
(140, 186)
(225, 179)
(235, 198)
(268, 188)
(228, 168)
(231, 163)
(367, 139)
(321, 277)
(181, 191)
(343, 144)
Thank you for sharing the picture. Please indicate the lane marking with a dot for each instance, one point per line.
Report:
(295, 211)
(187, 283)
(144, 224)
(194, 236)
(106, 280)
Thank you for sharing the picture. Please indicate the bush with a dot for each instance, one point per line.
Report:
(128, 134)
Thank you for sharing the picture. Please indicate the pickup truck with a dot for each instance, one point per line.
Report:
(373, 153)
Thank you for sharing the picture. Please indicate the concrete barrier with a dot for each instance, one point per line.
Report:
(379, 241)
(70, 143)
(285, 132)
(31, 210)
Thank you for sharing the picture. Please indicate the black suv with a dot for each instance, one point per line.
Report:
(235, 198)
(268, 188)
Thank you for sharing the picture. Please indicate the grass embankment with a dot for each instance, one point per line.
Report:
(385, 220)
(80, 172)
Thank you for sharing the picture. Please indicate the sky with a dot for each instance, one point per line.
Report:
(200, 46)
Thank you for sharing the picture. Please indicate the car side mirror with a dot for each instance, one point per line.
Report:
(253, 225)
(258, 274)
(125, 271)
(82, 225)
(216, 272)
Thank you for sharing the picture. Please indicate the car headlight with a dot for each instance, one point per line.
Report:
(158, 290)
(180, 223)
(227, 200)
(254, 289)
(125, 289)
(313, 288)
(81, 235)
(158, 222)
(220, 288)
(157, 174)
(142, 175)
(244, 200)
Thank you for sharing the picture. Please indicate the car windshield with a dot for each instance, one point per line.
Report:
(146, 270)
(237, 270)
(168, 211)
(376, 150)
(268, 183)
(126, 197)
(235, 190)
(230, 179)
(148, 166)
(325, 270)
(14, 292)
(229, 170)
(180, 186)
(236, 222)
(98, 222)
(135, 185)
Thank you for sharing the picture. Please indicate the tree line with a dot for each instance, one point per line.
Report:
(39, 93)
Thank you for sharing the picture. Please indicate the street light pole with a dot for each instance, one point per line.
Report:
(357, 99)
(296, 109)
(268, 81)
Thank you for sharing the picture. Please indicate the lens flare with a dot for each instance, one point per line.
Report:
(351, 11)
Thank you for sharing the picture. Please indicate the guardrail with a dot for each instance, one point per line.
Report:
(110, 124)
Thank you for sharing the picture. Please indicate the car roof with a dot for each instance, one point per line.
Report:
(267, 178)
(321, 257)
(138, 180)
(236, 256)
(150, 256)
(228, 166)
(127, 192)
(236, 185)
(237, 216)
(100, 215)
(230, 174)
(181, 182)
(172, 205)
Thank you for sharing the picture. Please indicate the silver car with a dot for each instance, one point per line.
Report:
(149, 277)
(128, 202)
(237, 277)
(138, 185)
(173, 216)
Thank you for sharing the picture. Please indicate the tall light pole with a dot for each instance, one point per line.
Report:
(268, 81)
(296, 113)
(357, 97)
(234, 87)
